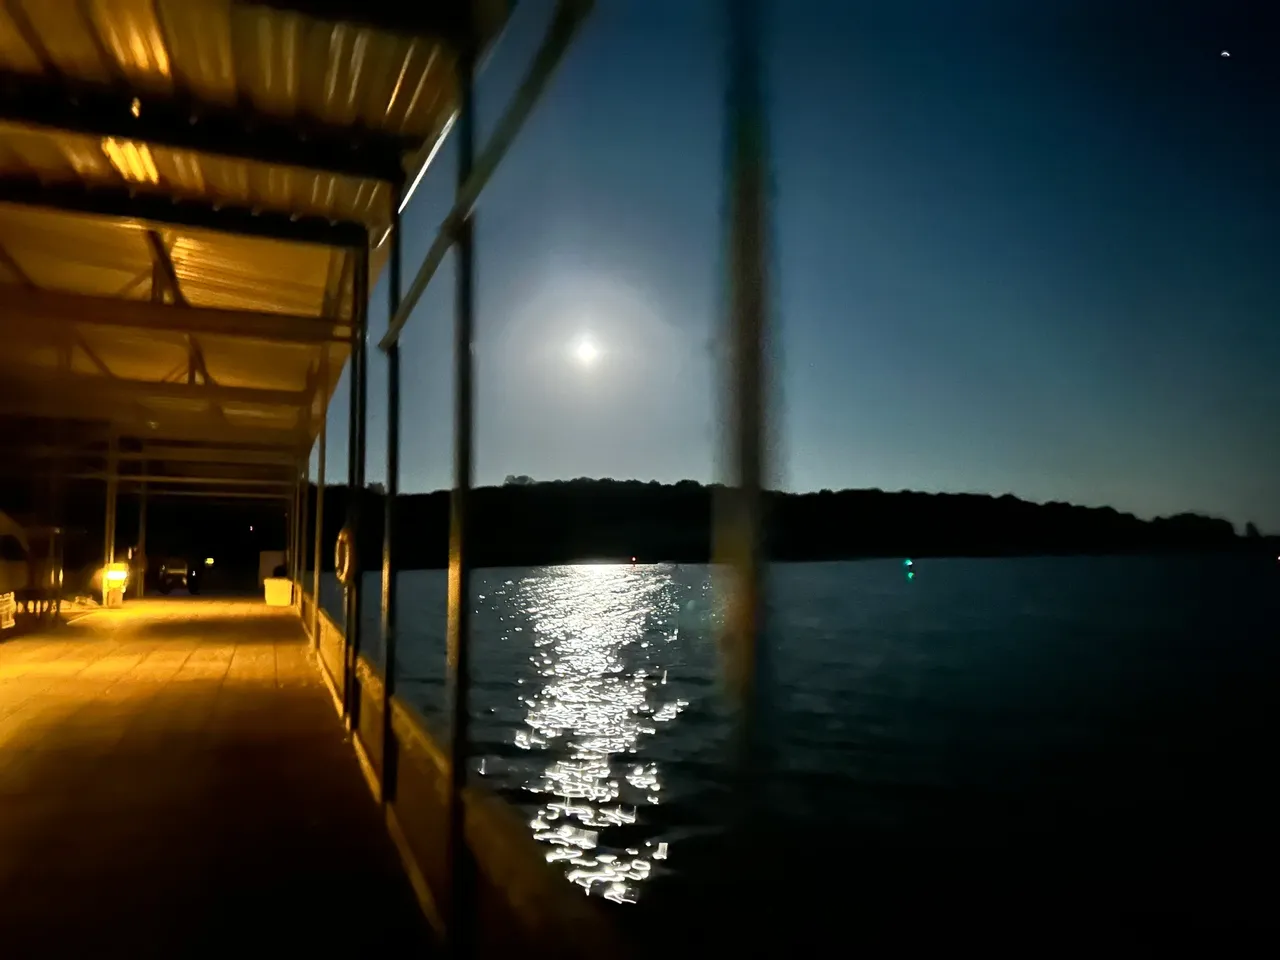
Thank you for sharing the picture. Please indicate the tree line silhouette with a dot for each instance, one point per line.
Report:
(525, 522)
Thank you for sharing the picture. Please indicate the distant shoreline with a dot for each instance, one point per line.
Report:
(525, 523)
(369, 568)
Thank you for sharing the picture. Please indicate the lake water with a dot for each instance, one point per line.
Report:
(1016, 722)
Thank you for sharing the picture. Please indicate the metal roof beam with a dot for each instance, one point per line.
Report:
(183, 481)
(150, 207)
(32, 307)
(222, 494)
(450, 20)
(163, 264)
(119, 389)
(568, 18)
(208, 430)
(185, 123)
(159, 454)
(257, 458)
(153, 426)
(15, 268)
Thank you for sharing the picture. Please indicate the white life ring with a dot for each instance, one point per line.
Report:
(343, 557)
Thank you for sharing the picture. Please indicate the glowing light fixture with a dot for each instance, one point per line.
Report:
(114, 574)
(208, 561)
(132, 160)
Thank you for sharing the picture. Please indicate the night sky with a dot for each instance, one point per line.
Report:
(1019, 247)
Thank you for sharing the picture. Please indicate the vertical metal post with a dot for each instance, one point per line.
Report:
(59, 514)
(291, 533)
(290, 524)
(295, 530)
(304, 527)
(109, 526)
(59, 553)
(389, 509)
(355, 479)
(459, 618)
(323, 382)
(740, 539)
(360, 384)
(141, 555)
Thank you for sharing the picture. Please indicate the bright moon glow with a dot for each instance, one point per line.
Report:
(586, 353)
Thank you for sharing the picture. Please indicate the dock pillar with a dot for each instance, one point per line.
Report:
(323, 382)
(296, 520)
(740, 542)
(113, 485)
(460, 924)
(392, 490)
(140, 558)
(355, 481)
(304, 527)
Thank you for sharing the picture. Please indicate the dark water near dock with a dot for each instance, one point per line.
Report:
(1089, 735)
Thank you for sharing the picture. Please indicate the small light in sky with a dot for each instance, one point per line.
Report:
(251, 528)
(1226, 53)
(586, 352)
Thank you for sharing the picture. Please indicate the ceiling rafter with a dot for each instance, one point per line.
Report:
(127, 203)
(32, 307)
(182, 122)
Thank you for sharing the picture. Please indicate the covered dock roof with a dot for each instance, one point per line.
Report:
(188, 192)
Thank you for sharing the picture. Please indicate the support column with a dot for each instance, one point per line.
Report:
(295, 526)
(141, 555)
(113, 484)
(323, 382)
(59, 515)
(355, 480)
(389, 586)
(459, 618)
(740, 520)
(304, 527)
(290, 525)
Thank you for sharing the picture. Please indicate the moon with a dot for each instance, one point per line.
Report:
(586, 352)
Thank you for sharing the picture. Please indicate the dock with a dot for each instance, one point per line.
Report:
(197, 203)
(174, 779)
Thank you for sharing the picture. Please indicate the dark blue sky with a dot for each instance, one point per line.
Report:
(1027, 248)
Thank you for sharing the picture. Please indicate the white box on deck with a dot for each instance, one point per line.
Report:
(278, 591)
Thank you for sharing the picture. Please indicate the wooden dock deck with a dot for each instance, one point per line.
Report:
(174, 781)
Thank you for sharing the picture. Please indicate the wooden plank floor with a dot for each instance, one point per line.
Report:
(174, 781)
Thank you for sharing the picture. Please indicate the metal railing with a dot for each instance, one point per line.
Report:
(526, 906)
(468, 853)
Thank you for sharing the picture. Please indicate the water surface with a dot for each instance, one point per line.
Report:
(1001, 707)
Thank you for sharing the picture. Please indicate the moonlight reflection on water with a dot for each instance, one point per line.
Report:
(597, 630)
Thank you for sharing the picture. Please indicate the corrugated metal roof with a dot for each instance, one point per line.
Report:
(280, 63)
(270, 66)
(63, 158)
(99, 257)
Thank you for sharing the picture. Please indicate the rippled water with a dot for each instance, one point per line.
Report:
(976, 704)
